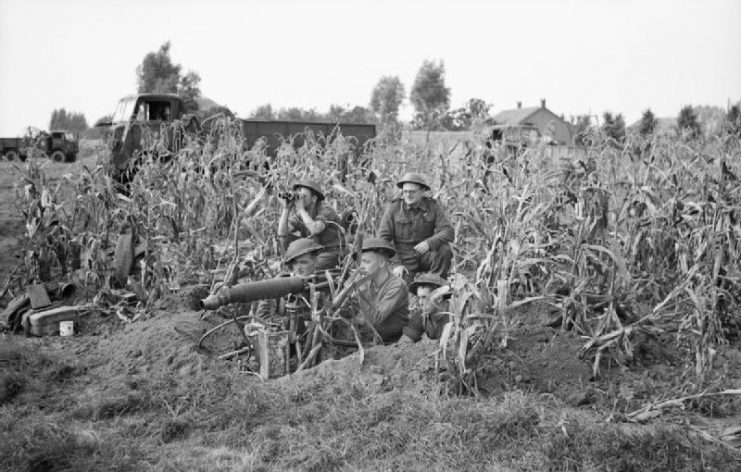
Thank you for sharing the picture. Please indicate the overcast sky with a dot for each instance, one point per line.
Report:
(582, 56)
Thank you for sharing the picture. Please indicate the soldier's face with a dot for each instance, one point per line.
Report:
(371, 263)
(304, 265)
(423, 293)
(307, 196)
(412, 193)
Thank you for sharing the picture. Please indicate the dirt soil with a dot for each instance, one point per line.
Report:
(536, 359)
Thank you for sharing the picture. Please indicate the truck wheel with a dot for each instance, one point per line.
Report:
(12, 155)
(71, 157)
(57, 156)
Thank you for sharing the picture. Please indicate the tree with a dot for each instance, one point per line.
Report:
(614, 128)
(687, 123)
(189, 90)
(157, 73)
(478, 109)
(356, 114)
(711, 119)
(648, 123)
(733, 121)
(263, 112)
(475, 112)
(61, 120)
(387, 97)
(299, 114)
(583, 131)
(430, 97)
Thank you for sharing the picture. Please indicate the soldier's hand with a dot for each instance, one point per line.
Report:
(399, 271)
(298, 203)
(422, 248)
(439, 293)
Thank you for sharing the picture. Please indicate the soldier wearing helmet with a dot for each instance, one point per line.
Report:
(300, 259)
(301, 256)
(431, 313)
(418, 228)
(305, 214)
(382, 301)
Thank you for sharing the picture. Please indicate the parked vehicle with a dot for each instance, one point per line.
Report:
(137, 115)
(59, 146)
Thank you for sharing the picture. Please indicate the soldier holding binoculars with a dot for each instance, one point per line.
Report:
(305, 214)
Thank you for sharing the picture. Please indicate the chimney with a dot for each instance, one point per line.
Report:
(542, 103)
(519, 105)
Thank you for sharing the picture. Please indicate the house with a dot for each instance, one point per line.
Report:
(549, 126)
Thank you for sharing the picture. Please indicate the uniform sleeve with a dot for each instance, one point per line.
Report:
(294, 225)
(326, 213)
(386, 228)
(392, 299)
(414, 329)
(328, 217)
(444, 232)
(386, 231)
(438, 318)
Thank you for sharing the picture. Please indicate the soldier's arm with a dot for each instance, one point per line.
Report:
(415, 327)
(444, 232)
(287, 229)
(317, 224)
(386, 231)
(386, 228)
(437, 316)
(376, 311)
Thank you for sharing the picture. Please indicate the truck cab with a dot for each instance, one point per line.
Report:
(147, 108)
(512, 139)
(61, 146)
(135, 116)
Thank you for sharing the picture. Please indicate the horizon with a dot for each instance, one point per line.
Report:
(583, 57)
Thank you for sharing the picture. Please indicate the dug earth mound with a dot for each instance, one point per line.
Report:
(539, 360)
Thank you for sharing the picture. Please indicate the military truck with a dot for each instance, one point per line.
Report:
(59, 146)
(137, 115)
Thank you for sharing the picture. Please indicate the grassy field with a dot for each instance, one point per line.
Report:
(606, 285)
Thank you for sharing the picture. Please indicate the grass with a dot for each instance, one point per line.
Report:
(226, 421)
(628, 245)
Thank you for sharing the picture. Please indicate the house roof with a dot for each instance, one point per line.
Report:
(516, 116)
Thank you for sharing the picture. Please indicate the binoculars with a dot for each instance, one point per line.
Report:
(289, 196)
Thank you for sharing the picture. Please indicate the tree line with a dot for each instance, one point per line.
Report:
(429, 96)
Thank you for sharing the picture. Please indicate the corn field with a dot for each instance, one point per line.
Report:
(626, 245)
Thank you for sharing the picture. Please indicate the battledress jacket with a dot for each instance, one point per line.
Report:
(429, 320)
(406, 226)
(330, 237)
(385, 306)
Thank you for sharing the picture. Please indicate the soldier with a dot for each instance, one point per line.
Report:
(418, 228)
(382, 300)
(431, 314)
(301, 259)
(312, 218)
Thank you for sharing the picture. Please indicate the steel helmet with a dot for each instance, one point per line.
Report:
(300, 247)
(427, 278)
(413, 178)
(311, 185)
(378, 245)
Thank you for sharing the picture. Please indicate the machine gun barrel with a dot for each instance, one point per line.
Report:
(249, 292)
